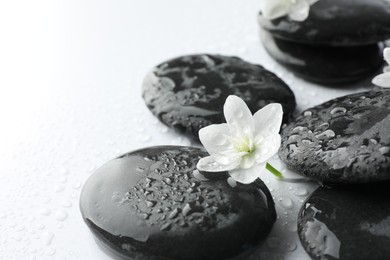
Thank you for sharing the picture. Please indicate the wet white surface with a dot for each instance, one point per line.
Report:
(70, 80)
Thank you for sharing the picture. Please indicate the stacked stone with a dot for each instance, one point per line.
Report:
(344, 144)
(339, 43)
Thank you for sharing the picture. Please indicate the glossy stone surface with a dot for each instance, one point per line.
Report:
(349, 223)
(188, 93)
(152, 204)
(345, 140)
(337, 23)
(325, 64)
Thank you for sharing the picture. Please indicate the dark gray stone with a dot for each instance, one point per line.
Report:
(352, 223)
(325, 64)
(188, 93)
(345, 140)
(148, 204)
(337, 23)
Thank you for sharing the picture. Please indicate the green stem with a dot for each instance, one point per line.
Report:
(275, 172)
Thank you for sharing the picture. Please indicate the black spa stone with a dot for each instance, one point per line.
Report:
(152, 204)
(188, 93)
(345, 140)
(325, 64)
(337, 23)
(349, 223)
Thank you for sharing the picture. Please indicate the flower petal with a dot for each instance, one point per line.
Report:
(210, 164)
(312, 2)
(238, 116)
(267, 148)
(382, 80)
(275, 8)
(214, 138)
(247, 176)
(299, 11)
(268, 120)
(386, 54)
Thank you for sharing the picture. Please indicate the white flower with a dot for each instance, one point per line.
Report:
(383, 80)
(243, 145)
(297, 10)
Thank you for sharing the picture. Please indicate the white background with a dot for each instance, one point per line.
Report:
(70, 81)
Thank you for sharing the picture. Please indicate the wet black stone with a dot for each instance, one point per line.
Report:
(188, 93)
(325, 64)
(345, 140)
(134, 212)
(352, 223)
(337, 23)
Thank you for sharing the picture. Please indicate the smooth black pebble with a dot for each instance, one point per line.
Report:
(337, 23)
(153, 204)
(325, 64)
(345, 140)
(188, 93)
(349, 223)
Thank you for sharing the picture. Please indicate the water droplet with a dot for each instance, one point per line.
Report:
(307, 113)
(298, 130)
(145, 138)
(301, 192)
(290, 246)
(291, 226)
(384, 149)
(67, 204)
(59, 188)
(64, 171)
(77, 185)
(293, 138)
(239, 113)
(173, 214)
(219, 139)
(47, 237)
(199, 176)
(286, 203)
(45, 212)
(61, 215)
(150, 204)
(327, 134)
(338, 111)
(63, 179)
(273, 242)
(166, 226)
(50, 252)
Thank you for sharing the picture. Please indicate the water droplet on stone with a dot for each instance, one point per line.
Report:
(338, 111)
(173, 214)
(384, 149)
(290, 246)
(326, 134)
(307, 113)
(166, 226)
(150, 204)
